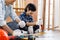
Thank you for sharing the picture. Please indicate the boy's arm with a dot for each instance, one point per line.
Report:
(31, 23)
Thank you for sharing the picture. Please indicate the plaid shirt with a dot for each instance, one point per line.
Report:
(26, 18)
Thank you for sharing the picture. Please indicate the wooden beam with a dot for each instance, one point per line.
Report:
(53, 15)
(44, 7)
(19, 8)
(48, 14)
(16, 4)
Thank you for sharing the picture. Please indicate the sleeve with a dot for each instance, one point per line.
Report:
(2, 12)
(23, 18)
(31, 19)
(13, 15)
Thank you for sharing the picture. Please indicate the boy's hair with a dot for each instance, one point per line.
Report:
(31, 7)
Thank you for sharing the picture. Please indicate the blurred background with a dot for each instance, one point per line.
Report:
(47, 10)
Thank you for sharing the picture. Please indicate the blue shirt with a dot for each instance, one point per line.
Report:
(26, 18)
(6, 11)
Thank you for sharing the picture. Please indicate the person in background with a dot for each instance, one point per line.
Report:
(6, 10)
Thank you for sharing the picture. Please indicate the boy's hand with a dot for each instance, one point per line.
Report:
(22, 24)
(39, 22)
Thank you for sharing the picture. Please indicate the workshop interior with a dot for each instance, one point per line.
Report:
(39, 20)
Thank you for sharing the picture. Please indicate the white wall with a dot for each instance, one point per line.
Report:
(56, 14)
(40, 9)
(59, 13)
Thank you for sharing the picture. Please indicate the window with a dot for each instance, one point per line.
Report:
(49, 13)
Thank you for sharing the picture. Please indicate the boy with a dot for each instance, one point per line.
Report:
(26, 16)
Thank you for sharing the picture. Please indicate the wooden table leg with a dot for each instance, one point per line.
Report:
(42, 28)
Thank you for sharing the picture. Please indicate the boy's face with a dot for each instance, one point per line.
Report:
(9, 2)
(29, 13)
